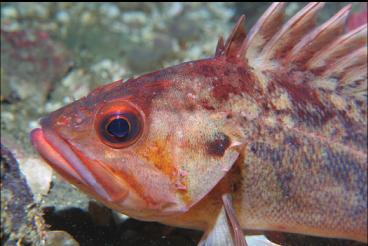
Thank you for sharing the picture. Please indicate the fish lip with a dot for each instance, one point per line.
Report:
(66, 160)
(61, 157)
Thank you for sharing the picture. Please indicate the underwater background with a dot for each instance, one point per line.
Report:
(55, 53)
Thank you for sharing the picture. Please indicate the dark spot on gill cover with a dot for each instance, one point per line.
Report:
(229, 116)
(218, 146)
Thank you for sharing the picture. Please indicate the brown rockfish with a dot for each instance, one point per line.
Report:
(268, 134)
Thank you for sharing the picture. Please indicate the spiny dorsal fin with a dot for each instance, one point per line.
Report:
(319, 37)
(220, 46)
(264, 30)
(322, 57)
(233, 43)
(339, 48)
(291, 32)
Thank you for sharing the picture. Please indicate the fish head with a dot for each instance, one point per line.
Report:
(143, 147)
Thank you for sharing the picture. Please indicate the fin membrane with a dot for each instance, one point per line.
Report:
(226, 230)
(323, 57)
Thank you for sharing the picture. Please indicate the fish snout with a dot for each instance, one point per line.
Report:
(64, 159)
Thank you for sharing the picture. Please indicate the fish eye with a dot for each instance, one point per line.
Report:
(119, 124)
(119, 127)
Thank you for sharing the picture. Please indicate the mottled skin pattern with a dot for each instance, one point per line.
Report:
(299, 173)
(293, 155)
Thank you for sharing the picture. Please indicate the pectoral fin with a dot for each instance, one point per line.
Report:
(237, 231)
(259, 240)
(226, 230)
(219, 234)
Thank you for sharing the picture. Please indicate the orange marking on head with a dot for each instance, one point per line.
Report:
(184, 192)
(158, 154)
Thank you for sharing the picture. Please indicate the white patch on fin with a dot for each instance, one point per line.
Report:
(226, 230)
(259, 240)
(220, 234)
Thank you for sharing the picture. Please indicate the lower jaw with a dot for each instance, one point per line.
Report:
(90, 176)
(53, 157)
(60, 156)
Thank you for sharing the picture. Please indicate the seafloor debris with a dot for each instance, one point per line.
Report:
(59, 238)
(18, 210)
(31, 62)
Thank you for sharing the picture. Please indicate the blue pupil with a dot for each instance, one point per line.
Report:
(118, 128)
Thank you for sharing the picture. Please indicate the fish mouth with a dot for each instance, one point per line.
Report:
(70, 165)
(109, 186)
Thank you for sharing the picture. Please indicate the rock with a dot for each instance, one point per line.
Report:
(63, 17)
(34, 10)
(34, 170)
(31, 63)
(38, 175)
(18, 210)
(9, 12)
(59, 238)
(110, 10)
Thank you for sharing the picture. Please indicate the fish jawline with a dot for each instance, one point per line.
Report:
(62, 158)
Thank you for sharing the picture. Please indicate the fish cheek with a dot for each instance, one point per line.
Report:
(208, 167)
(184, 156)
(207, 158)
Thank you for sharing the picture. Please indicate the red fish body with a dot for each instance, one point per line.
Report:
(271, 131)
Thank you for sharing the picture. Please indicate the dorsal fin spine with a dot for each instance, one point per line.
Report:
(319, 37)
